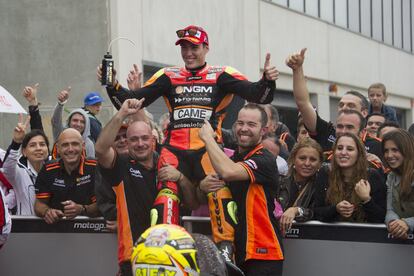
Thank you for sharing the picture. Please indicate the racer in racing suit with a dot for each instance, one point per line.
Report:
(192, 94)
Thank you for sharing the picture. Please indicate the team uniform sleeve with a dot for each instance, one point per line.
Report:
(112, 176)
(324, 134)
(262, 169)
(158, 85)
(42, 186)
(232, 81)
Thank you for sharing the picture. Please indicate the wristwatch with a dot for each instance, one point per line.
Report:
(300, 211)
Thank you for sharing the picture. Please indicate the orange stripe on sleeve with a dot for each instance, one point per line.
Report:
(249, 171)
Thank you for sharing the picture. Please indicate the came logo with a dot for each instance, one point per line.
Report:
(192, 113)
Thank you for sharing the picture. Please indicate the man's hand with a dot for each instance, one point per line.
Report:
(71, 209)
(111, 225)
(53, 215)
(134, 78)
(30, 94)
(99, 74)
(63, 95)
(211, 183)
(363, 189)
(168, 173)
(345, 209)
(295, 60)
(398, 229)
(206, 131)
(20, 130)
(270, 72)
(130, 107)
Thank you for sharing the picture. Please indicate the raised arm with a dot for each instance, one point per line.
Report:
(56, 120)
(30, 94)
(223, 165)
(156, 86)
(300, 91)
(232, 81)
(103, 147)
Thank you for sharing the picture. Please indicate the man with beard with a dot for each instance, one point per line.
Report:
(133, 177)
(252, 176)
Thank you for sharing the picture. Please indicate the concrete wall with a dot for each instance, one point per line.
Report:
(241, 32)
(56, 43)
(59, 43)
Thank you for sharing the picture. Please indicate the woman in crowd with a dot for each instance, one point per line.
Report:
(298, 188)
(349, 190)
(21, 169)
(398, 148)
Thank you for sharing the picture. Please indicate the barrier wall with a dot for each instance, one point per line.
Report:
(84, 247)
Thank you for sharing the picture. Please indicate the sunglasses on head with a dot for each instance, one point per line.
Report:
(191, 32)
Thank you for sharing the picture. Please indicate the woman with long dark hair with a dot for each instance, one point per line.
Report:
(349, 190)
(398, 148)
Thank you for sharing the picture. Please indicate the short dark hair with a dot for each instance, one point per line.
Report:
(351, 111)
(258, 107)
(34, 133)
(364, 101)
(375, 114)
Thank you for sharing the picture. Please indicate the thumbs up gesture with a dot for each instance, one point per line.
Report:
(295, 60)
(30, 94)
(270, 72)
(63, 95)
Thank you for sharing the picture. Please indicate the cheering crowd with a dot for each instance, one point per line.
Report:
(253, 180)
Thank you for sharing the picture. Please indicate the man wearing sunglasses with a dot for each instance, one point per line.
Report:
(193, 93)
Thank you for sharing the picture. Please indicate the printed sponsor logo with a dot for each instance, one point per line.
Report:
(144, 271)
(188, 125)
(97, 226)
(251, 164)
(192, 99)
(135, 173)
(332, 138)
(215, 70)
(194, 78)
(192, 113)
(211, 76)
(410, 236)
(293, 233)
(83, 180)
(261, 250)
(193, 89)
(59, 182)
(217, 213)
(169, 210)
(266, 92)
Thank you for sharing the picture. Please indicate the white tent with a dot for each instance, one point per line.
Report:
(8, 104)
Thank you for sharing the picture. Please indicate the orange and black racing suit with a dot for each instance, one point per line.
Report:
(191, 97)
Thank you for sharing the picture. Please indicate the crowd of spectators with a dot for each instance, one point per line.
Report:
(359, 169)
